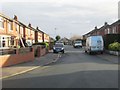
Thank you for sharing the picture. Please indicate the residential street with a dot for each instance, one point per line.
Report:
(74, 69)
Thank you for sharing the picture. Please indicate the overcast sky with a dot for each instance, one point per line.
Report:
(69, 17)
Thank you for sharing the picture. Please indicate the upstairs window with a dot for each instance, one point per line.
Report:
(114, 30)
(1, 22)
(108, 31)
(21, 31)
(10, 25)
(28, 32)
(16, 27)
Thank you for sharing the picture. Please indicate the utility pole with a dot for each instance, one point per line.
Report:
(55, 32)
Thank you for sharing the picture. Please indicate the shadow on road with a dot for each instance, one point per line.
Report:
(70, 58)
(81, 79)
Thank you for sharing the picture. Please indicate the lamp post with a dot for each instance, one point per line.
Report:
(55, 32)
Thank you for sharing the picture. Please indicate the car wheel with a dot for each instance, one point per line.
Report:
(101, 52)
(53, 51)
(89, 52)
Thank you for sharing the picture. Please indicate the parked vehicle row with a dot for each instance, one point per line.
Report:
(94, 44)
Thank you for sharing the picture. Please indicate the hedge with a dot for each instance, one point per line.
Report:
(111, 38)
(42, 43)
(114, 46)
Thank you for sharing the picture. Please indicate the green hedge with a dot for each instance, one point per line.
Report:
(43, 43)
(114, 46)
(111, 38)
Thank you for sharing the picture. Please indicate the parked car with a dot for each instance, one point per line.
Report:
(58, 47)
(94, 44)
(77, 44)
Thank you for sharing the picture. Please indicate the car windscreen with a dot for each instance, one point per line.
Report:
(58, 45)
(78, 42)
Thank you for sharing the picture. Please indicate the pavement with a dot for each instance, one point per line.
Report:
(108, 57)
(40, 62)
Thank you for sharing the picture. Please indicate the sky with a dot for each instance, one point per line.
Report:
(62, 17)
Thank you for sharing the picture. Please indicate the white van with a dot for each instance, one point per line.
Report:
(77, 44)
(94, 44)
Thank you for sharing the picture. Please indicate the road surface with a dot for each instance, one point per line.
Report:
(74, 69)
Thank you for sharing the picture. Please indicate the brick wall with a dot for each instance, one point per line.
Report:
(9, 60)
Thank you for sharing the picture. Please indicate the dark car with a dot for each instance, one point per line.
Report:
(58, 47)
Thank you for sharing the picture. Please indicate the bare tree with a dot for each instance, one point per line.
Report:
(74, 37)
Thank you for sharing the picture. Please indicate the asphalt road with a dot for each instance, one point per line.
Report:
(74, 69)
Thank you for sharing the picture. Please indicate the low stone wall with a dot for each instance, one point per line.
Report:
(12, 59)
(116, 53)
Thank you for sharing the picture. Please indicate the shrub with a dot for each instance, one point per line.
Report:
(45, 44)
(114, 46)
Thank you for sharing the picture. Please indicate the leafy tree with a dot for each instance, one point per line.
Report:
(57, 37)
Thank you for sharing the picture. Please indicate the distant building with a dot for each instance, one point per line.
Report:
(66, 41)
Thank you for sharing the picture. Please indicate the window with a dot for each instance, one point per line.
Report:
(29, 32)
(108, 31)
(10, 26)
(114, 30)
(105, 31)
(3, 42)
(16, 26)
(21, 30)
(1, 22)
(12, 40)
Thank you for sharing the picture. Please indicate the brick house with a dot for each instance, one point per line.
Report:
(8, 33)
(115, 27)
(12, 31)
(46, 38)
(30, 34)
(105, 29)
(39, 35)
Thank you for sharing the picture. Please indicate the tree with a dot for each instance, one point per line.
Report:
(75, 37)
(57, 37)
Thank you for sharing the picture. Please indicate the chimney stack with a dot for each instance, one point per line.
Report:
(37, 28)
(29, 24)
(95, 27)
(15, 18)
(105, 24)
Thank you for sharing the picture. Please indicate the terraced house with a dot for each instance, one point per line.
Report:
(14, 33)
(8, 32)
(110, 33)
(114, 28)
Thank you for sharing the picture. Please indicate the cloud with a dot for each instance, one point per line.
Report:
(77, 16)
